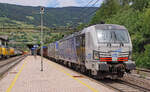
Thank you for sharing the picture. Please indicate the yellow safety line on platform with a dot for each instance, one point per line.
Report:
(88, 86)
(16, 77)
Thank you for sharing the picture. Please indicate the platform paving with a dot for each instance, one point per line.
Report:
(27, 77)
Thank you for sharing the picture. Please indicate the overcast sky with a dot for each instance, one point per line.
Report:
(51, 3)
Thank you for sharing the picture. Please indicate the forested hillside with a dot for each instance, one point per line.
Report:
(21, 15)
(135, 16)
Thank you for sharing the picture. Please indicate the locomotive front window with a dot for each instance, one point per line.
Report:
(115, 36)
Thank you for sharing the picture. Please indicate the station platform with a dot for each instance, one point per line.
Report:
(27, 77)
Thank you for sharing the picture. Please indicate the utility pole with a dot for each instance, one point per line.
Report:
(42, 12)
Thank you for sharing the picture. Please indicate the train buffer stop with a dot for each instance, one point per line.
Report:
(27, 77)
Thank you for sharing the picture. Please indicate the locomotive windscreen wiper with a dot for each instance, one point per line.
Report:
(114, 38)
(109, 44)
(121, 44)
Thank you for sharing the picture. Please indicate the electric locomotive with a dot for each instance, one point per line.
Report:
(102, 50)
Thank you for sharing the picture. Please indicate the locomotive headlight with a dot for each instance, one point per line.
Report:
(130, 55)
(96, 55)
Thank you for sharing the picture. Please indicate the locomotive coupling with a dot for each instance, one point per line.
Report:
(103, 66)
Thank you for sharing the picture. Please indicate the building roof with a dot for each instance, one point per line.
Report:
(4, 37)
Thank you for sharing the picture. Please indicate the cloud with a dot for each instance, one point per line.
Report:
(51, 3)
(65, 3)
(27, 2)
(85, 2)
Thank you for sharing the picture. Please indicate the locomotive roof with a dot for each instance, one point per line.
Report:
(105, 27)
(108, 26)
(99, 27)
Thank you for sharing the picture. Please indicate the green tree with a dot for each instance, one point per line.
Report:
(140, 4)
(107, 9)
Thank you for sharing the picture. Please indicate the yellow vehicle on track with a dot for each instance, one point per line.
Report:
(11, 51)
(4, 52)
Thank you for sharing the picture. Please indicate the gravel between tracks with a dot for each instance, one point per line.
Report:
(136, 80)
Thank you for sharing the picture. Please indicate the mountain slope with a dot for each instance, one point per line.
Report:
(52, 16)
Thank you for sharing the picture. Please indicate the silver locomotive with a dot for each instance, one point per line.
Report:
(102, 50)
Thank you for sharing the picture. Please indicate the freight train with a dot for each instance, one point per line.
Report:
(102, 51)
(6, 52)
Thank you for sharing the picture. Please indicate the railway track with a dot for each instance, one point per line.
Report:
(141, 73)
(119, 85)
(143, 70)
(7, 64)
(124, 86)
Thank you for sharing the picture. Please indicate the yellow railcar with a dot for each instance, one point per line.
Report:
(12, 51)
(0, 51)
(4, 51)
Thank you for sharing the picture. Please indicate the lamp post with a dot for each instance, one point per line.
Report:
(42, 12)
